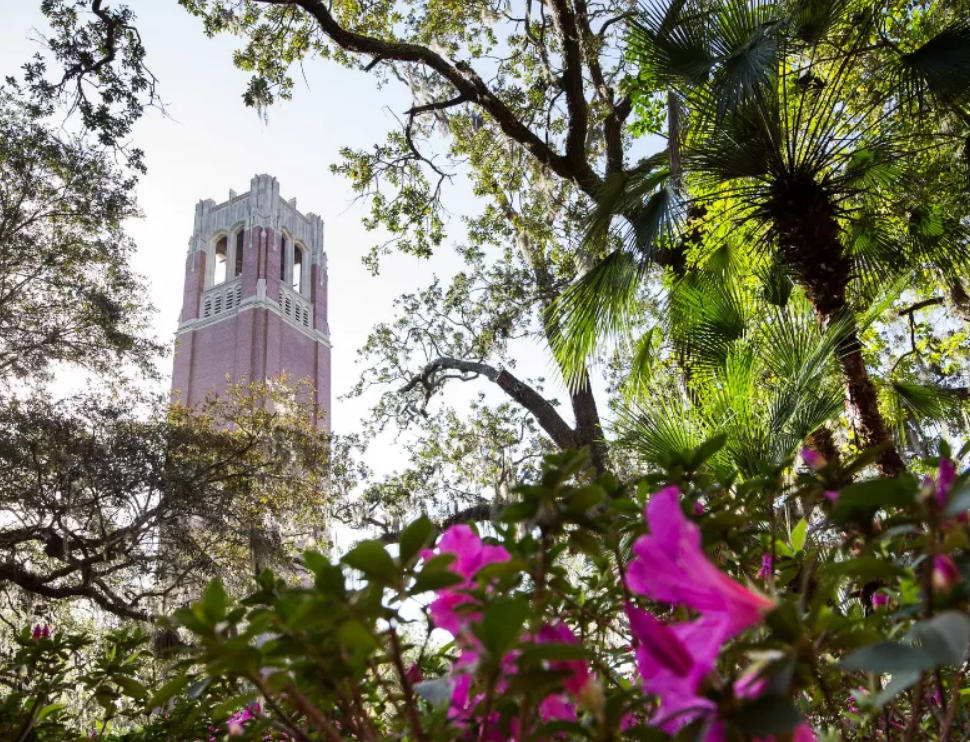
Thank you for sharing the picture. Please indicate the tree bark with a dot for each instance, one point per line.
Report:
(959, 298)
(541, 409)
(589, 430)
(809, 237)
(823, 443)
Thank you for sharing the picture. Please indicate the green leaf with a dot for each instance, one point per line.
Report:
(501, 625)
(354, 635)
(798, 535)
(945, 638)
(584, 498)
(768, 716)
(519, 511)
(414, 537)
(876, 493)
(886, 657)
(433, 580)
(900, 682)
(371, 558)
(51, 708)
(784, 622)
(707, 449)
(215, 602)
(131, 686)
(167, 692)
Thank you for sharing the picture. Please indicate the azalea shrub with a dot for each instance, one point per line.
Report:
(808, 603)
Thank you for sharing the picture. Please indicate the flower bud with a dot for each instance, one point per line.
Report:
(880, 600)
(945, 573)
(414, 674)
(831, 495)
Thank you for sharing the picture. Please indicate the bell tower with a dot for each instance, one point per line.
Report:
(254, 303)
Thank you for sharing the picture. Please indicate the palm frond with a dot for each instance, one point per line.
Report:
(925, 401)
(938, 71)
(598, 309)
(659, 425)
(594, 311)
(671, 41)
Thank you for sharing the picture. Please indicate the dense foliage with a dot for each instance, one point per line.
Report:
(796, 607)
(769, 542)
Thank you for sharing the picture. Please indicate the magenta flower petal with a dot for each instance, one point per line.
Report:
(445, 614)
(557, 708)
(945, 573)
(813, 459)
(767, 567)
(673, 660)
(470, 556)
(944, 481)
(671, 567)
(580, 675)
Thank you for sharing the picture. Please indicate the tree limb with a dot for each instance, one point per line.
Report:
(544, 413)
(460, 74)
(34, 584)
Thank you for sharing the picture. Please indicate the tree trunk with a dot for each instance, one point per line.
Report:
(959, 298)
(865, 404)
(823, 443)
(809, 237)
(589, 431)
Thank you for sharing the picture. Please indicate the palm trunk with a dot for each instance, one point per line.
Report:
(959, 299)
(865, 404)
(809, 236)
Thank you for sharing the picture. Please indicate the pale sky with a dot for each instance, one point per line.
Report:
(211, 143)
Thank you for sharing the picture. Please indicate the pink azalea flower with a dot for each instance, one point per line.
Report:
(414, 674)
(470, 553)
(813, 459)
(671, 567)
(673, 660)
(470, 556)
(879, 600)
(557, 708)
(945, 573)
(767, 567)
(944, 481)
(464, 705)
(235, 728)
(579, 674)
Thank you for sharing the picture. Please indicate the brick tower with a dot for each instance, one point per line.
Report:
(255, 297)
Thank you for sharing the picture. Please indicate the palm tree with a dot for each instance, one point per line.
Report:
(763, 374)
(804, 120)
